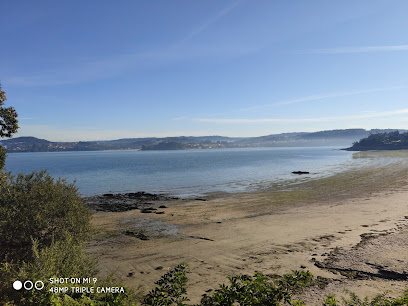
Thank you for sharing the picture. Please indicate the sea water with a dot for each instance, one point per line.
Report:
(182, 173)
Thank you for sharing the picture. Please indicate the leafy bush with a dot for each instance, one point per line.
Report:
(35, 207)
(64, 258)
(246, 290)
(171, 288)
(378, 300)
(8, 124)
(256, 290)
(330, 300)
(3, 154)
(259, 290)
(296, 280)
(43, 226)
(242, 290)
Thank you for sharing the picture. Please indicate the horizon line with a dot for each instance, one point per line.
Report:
(164, 137)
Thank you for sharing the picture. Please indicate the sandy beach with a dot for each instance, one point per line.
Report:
(350, 228)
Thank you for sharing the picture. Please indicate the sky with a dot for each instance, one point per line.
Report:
(99, 70)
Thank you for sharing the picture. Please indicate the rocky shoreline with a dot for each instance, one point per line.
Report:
(119, 202)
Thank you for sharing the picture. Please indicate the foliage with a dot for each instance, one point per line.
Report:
(243, 289)
(43, 226)
(330, 300)
(255, 290)
(8, 124)
(296, 280)
(35, 207)
(246, 290)
(378, 300)
(3, 154)
(402, 300)
(63, 258)
(171, 288)
(259, 290)
(8, 117)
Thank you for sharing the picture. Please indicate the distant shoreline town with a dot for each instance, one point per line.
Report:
(345, 138)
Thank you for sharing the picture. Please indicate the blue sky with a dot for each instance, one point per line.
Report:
(89, 70)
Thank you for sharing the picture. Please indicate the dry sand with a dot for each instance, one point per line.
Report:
(273, 231)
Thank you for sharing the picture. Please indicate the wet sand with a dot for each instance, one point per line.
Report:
(319, 225)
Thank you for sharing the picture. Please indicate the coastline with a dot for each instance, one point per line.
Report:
(272, 231)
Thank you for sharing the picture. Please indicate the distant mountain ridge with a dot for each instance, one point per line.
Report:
(322, 138)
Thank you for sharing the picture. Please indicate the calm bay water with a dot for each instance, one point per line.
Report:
(181, 173)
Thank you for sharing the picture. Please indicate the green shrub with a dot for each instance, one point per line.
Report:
(43, 226)
(3, 154)
(296, 280)
(259, 290)
(171, 288)
(64, 258)
(35, 207)
(402, 300)
(246, 290)
(330, 300)
(378, 300)
(242, 290)
(355, 300)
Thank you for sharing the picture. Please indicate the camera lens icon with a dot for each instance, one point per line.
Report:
(28, 285)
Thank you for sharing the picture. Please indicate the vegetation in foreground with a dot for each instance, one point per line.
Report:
(43, 227)
(242, 290)
(255, 290)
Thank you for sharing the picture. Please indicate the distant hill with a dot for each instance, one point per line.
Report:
(322, 138)
(32, 144)
(382, 141)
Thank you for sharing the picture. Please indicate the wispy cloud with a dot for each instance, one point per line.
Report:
(211, 20)
(178, 118)
(104, 67)
(360, 49)
(322, 97)
(364, 115)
